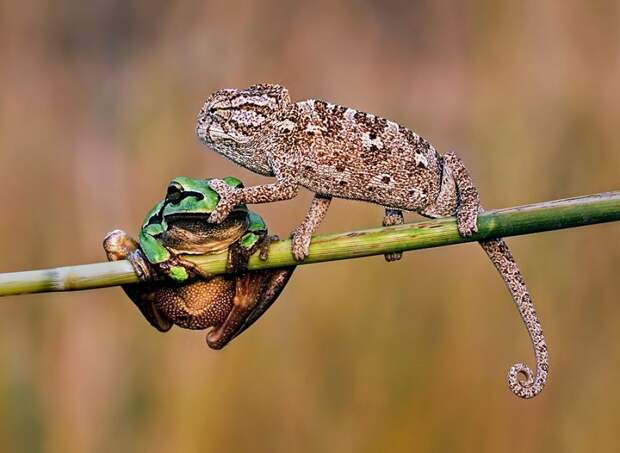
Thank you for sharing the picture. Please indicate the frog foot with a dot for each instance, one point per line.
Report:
(264, 246)
(238, 257)
(180, 269)
(118, 245)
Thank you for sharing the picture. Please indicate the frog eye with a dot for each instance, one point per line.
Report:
(174, 192)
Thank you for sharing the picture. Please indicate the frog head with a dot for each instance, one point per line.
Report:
(179, 225)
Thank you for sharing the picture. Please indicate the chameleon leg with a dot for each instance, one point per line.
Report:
(302, 235)
(231, 197)
(502, 259)
(393, 217)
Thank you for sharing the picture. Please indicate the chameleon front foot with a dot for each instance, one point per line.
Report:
(229, 198)
(302, 235)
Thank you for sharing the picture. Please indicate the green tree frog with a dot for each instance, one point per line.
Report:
(174, 290)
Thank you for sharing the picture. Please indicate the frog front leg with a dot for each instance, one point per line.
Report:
(164, 260)
(195, 304)
(118, 245)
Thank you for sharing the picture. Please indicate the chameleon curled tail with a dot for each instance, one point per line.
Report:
(532, 385)
(499, 253)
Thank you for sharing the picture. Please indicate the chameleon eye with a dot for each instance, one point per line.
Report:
(221, 114)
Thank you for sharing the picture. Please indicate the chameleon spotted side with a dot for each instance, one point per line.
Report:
(337, 151)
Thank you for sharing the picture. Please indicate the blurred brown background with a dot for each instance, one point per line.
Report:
(97, 107)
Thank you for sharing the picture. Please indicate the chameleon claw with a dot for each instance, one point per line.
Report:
(229, 198)
(300, 244)
(393, 217)
(467, 221)
(393, 256)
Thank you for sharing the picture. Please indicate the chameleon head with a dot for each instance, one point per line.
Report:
(235, 122)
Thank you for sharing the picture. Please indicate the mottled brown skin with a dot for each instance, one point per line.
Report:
(336, 151)
(228, 304)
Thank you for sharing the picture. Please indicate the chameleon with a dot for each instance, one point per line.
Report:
(173, 290)
(337, 151)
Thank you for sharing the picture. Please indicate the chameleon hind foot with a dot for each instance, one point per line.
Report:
(393, 217)
(468, 197)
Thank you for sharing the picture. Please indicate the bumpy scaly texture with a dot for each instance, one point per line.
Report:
(337, 151)
(500, 255)
(393, 217)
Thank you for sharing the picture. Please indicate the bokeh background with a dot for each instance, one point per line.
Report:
(97, 107)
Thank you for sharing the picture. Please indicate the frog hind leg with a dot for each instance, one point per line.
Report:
(118, 245)
(248, 288)
(255, 292)
(274, 283)
(145, 299)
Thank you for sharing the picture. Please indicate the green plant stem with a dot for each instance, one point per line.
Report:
(551, 215)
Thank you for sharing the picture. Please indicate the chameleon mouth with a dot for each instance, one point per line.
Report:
(216, 134)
